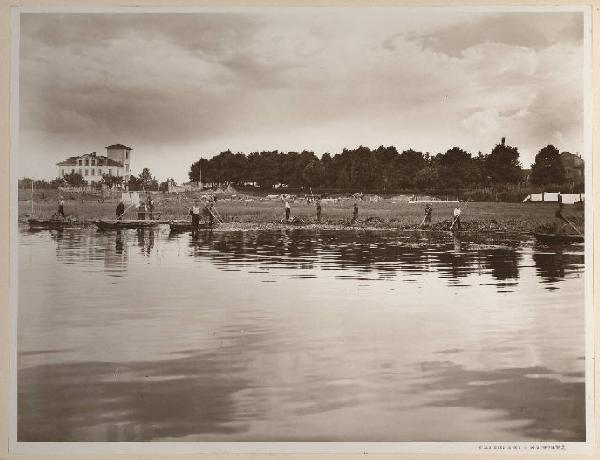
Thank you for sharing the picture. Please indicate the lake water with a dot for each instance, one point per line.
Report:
(298, 336)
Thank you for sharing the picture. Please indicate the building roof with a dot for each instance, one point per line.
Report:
(71, 161)
(102, 160)
(118, 146)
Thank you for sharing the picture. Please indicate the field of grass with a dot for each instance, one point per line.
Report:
(385, 213)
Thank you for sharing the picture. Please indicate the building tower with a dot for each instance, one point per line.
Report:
(122, 154)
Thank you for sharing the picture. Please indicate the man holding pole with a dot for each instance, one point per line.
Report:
(427, 218)
(61, 207)
(195, 213)
(287, 211)
(120, 210)
(456, 218)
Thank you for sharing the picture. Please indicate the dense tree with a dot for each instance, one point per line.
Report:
(314, 173)
(112, 181)
(74, 180)
(197, 170)
(547, 168)
(502, 165)
(145, 181)
(456, 169)
(363, 169)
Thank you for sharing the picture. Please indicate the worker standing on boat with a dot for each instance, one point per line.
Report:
(120, 210)
(427, 218)
(209, 211)
(355, 212)
(150, 207)
(318, 206)
(195, 213)
(288, 210)
(142, 211)
(456, 218)
(61, 207)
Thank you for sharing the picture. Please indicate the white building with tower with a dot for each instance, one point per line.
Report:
(92, 166)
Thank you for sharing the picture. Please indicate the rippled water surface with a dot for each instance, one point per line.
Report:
(298, 336)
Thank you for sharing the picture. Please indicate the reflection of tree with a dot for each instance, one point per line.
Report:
(145, 240)
(554, 263)
(77, 246)
(384, 253)
(503, 263)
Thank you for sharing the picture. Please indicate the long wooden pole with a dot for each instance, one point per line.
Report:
(32, 197)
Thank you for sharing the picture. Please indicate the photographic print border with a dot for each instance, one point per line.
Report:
(9, 170)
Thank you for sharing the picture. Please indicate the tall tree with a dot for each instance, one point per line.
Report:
(111, 181)
(547, 168)
(198, 171)
(502, 165)
(74, 179)
(456, 169)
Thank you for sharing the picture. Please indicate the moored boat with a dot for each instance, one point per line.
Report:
(118, 224)
(557, 238)
(52, 224)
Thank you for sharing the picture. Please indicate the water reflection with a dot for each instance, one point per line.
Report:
(543, 396)
(133, 401)
(556, 263)
(145, 240)
(298, 335)
(385, 253)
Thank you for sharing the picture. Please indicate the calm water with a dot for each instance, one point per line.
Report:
(298, 335)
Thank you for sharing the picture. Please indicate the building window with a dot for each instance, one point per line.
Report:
(126, 154)
(62, 172)
(79, 162)
(93, 172)
(87, 162)
(80, 172)
(87, 172)
(72, 171)
(93, 162)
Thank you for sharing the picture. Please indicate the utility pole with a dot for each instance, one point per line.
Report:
(32, 180)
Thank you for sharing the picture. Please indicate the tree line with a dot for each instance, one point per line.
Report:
(382, 170)
(144, 181)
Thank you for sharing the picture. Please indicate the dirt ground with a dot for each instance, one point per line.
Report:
(246, 212)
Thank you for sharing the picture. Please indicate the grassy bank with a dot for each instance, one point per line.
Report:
(382, 214)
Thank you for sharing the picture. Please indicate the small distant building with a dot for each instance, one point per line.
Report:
(186, 187)
(92, 166)
(573, 166)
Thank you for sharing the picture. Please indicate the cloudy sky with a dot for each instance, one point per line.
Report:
(176, 87)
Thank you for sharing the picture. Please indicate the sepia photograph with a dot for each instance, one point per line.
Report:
(302, 225)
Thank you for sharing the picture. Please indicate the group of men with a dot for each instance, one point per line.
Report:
(144, 208)
(318, 208)
(424, 223)
(207, 209)
(455, 217)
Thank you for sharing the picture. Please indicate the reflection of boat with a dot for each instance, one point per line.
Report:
(116, 224)
(186, 226)
(52, 224)
(556, 238)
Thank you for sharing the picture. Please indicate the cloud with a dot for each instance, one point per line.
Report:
(529, 30)
(191, 84)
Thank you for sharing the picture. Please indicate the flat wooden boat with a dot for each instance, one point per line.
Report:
(186, 226)
(557, 238)
(118, 224)
(52, 224)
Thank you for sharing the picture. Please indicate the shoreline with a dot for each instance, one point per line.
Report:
(471, 226)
